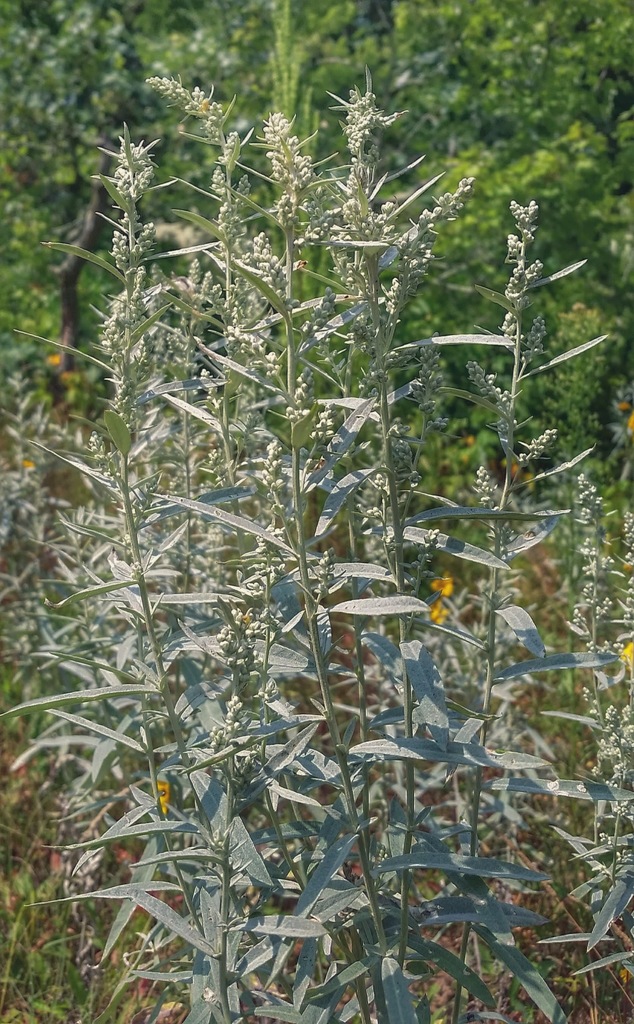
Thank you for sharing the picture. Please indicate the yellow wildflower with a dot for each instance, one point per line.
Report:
(438, 612)
(443, 586)
(28, 463)
(164, 788)
(623, 406)
(630, 423)
(627, 655)
(470, 440)
(54, 359)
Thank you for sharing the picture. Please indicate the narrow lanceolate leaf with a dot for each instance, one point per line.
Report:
(338, 496)
(563, 467)
(80, 697)
(96, 591)
(193, 410)
(221, 496)
(327, 867)
(429, 690)
(528, 976)
(453, 546)
(118, 430)
(553, 662)
(147, 324)
(236, 523)
(456, 753)
(570, 354)
(335, 324)
(558, 274)
(468, 512)
(524, 628)
(285, 926)
(535, 535)
(100, 730)
(398, 1000)
(483, 867)
(587, 790)
(342, 440)
(382, 606)
(76, 463)
(461, 339)
(500, 300)
(84, 254)
(618, 899)
(606, 961)
(192, 384)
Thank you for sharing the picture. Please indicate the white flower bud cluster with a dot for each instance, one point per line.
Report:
(485, 383)
(363, 120)
(194, 103)
(485, 488)
(536, 448)
(615, 749)
(425, 386)
(525, 219)
(263, 261)
(628, 609)
(290, 168)
(533, 343)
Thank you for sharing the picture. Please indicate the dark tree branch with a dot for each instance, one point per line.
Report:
(69, 271)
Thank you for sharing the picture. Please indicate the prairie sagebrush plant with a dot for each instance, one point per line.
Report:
(262, 595)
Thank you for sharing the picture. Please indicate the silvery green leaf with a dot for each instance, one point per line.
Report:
(534, 535)
(470, 396)
(500, 300)
(528, 976)
(90, 257)
(286, 926)
(236, 523)
(194, 410)
(221, 496)
(305, 970)
(338, 496)
(192, 384)
(398, 999)
(243, 371)
(99, 729)
(605, 961)
(333, 325)
(344, 978)
(279, 1011)
(338, 896)
(118, 430)
(582, 719)
(586, 790)
(398, 605)
(88, 592)
(447, 961)
(563, 467)
(460, 339)
(524, 628)
(76, 463)
(566, 355)
(468, 512)
(341, 441)
(80, 697)
(321, 875)
(427, 750)
(483, 867)
(453, 546)
(427, 685)
(554, 662)
(557, 275)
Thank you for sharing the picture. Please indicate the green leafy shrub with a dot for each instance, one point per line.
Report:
(286, 699)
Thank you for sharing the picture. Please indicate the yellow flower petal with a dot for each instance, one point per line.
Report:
(164, 790)
(627, 655)
(28, 463)
(438, 612)
(443, 586)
